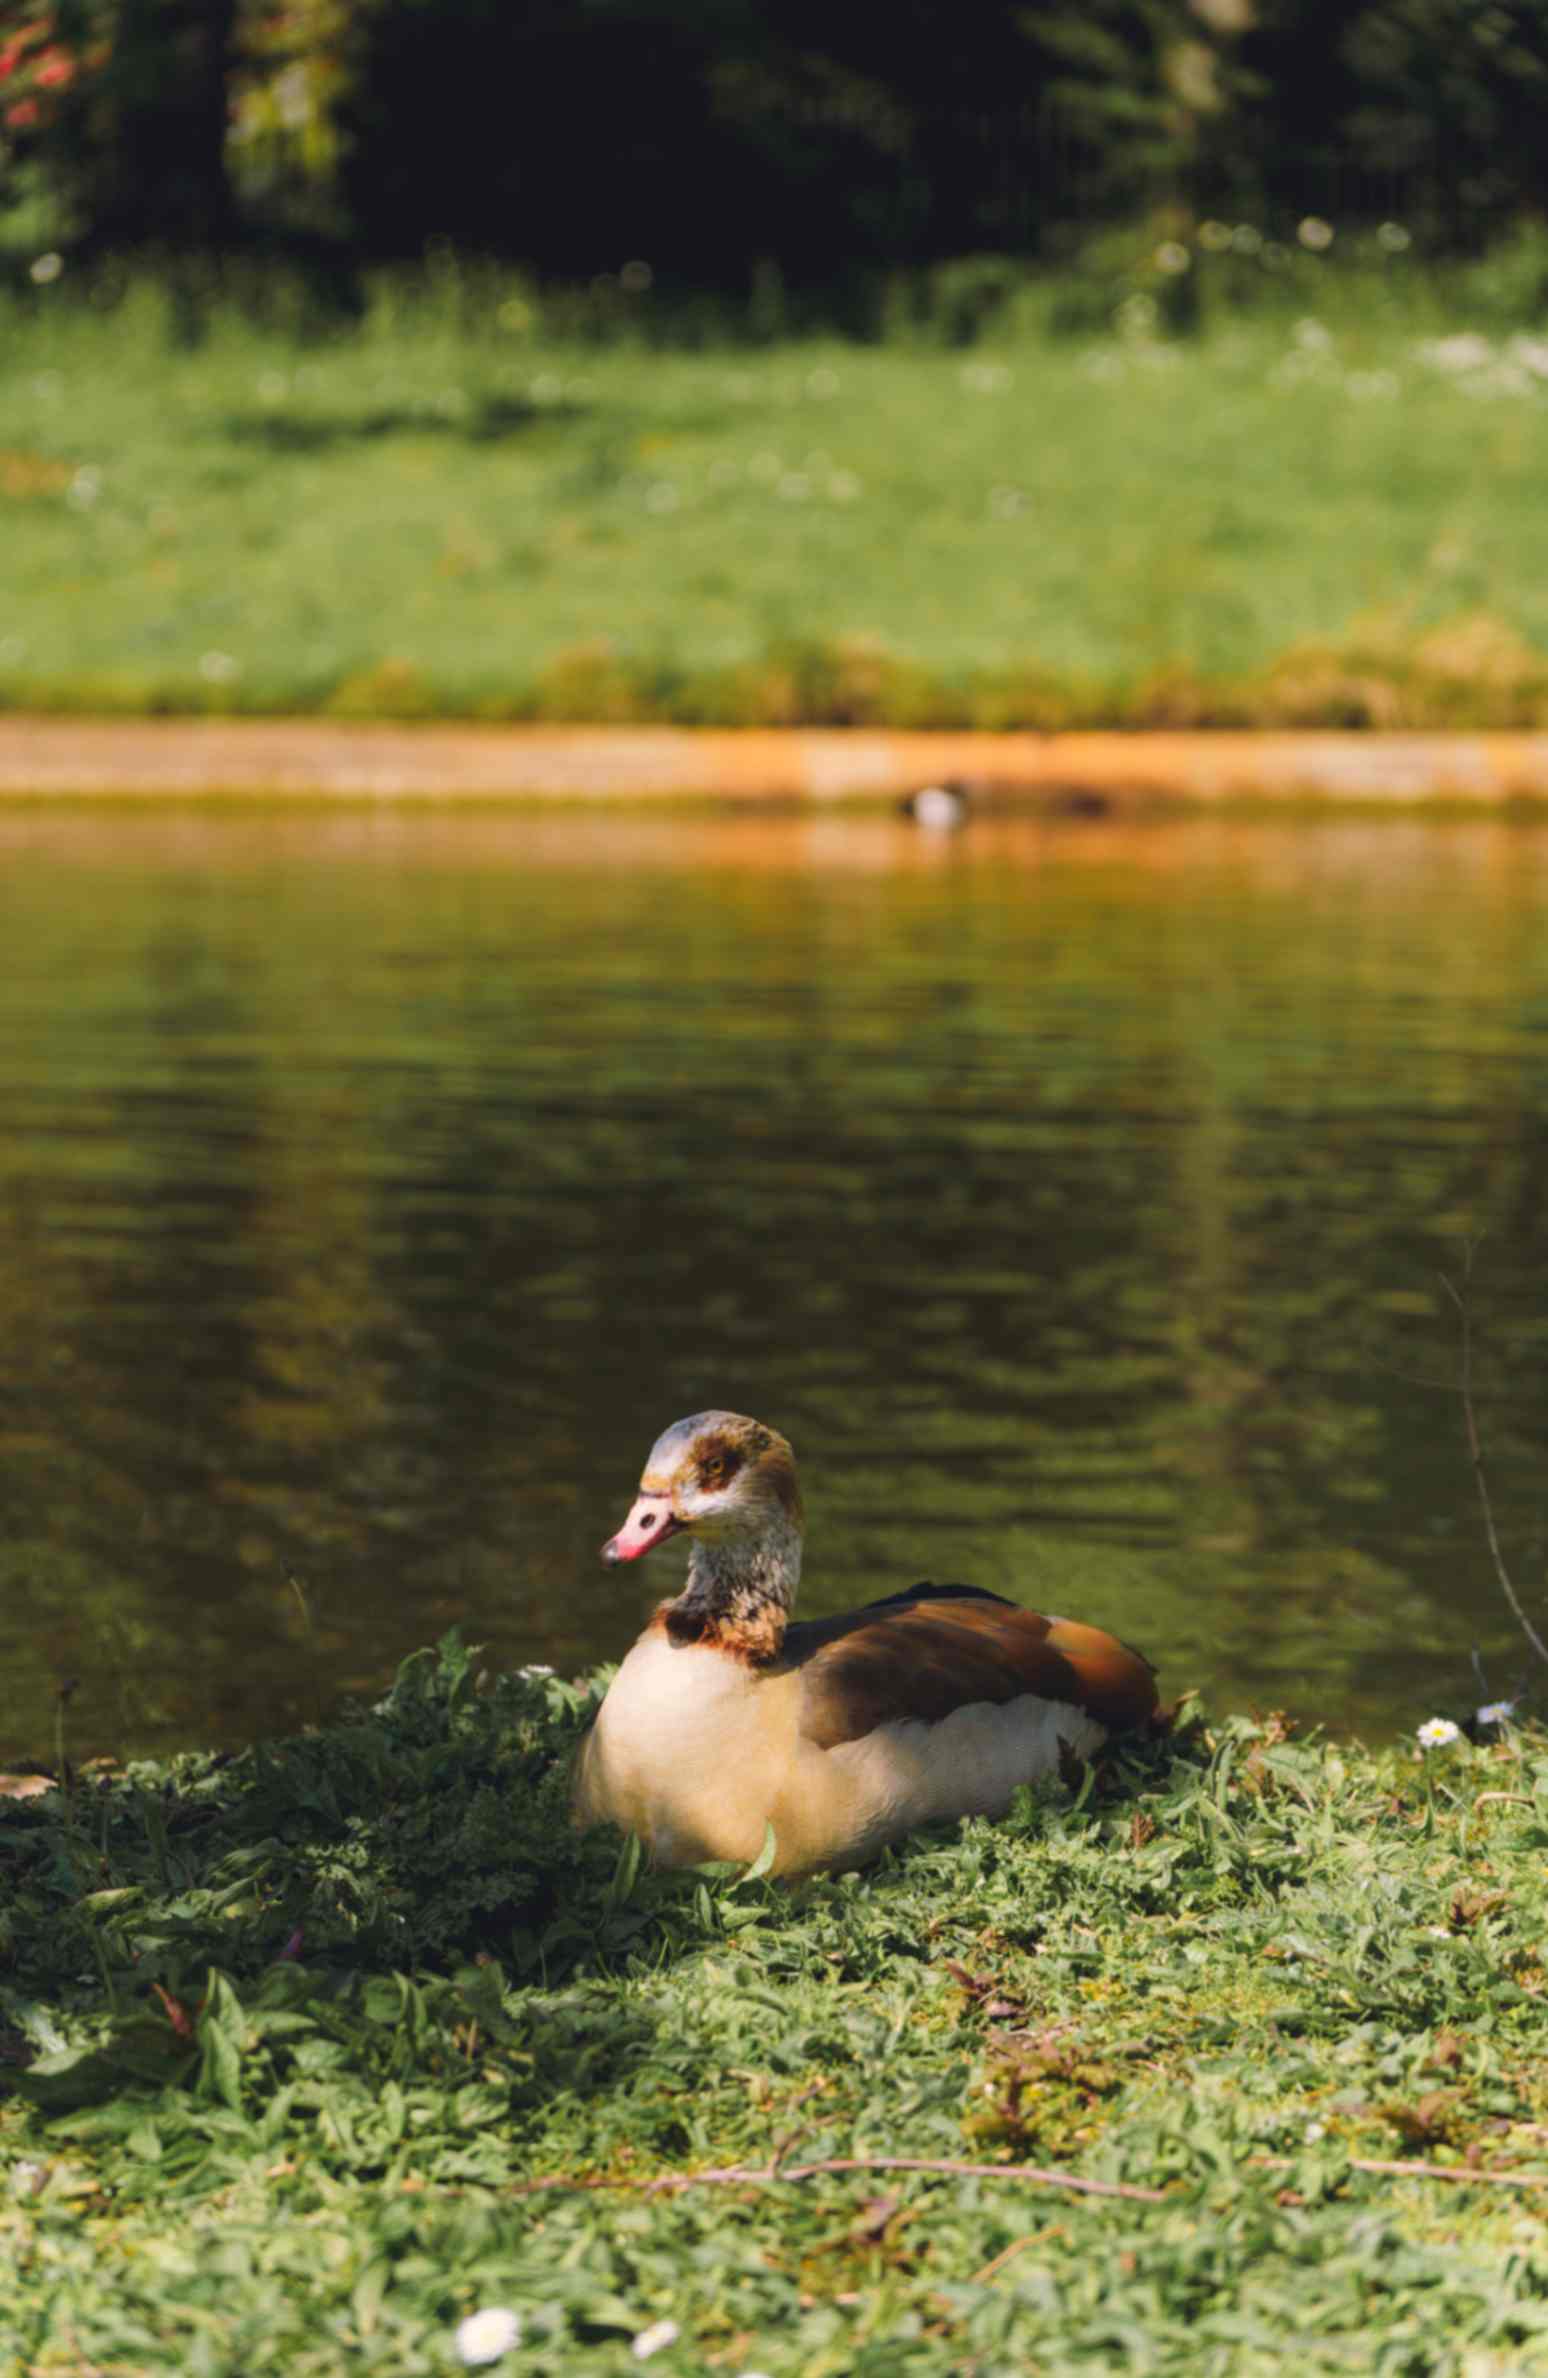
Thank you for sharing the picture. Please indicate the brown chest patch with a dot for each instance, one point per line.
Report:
(755, 1639)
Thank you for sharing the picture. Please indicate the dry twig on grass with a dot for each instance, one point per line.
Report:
(738, 2175)
(744, 2175)
(1462, 2174)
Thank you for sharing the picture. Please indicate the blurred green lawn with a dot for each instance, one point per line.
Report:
(429, 516)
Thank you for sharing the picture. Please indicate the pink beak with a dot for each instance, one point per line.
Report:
(649, 1523)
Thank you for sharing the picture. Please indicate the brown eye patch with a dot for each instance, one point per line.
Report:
(717, 1464)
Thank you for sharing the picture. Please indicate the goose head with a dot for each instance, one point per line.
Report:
(726, 1481)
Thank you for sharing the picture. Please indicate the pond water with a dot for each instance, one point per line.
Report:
(375, 1185)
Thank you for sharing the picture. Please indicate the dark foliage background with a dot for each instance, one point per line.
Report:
(744, 147)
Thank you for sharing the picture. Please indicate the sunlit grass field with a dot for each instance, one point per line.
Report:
(1328, 511)
(309, 2057)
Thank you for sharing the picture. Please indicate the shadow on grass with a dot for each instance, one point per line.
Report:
(399, 1895)
(481, 422)
(377, 1891)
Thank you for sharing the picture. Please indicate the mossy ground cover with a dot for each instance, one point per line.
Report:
(1313, 513)
(294, 2039)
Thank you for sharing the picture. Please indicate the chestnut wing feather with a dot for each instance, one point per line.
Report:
(936, 1648)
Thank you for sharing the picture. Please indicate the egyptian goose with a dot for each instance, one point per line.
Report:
(840, 1733)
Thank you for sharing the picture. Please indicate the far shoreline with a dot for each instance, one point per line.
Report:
(52, 759)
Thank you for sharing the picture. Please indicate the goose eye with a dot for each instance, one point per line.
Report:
(712, 1472)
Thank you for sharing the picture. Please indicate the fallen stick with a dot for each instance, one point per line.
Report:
(1463, 2174)
(1031, 2175)
(739, 2175)
(1007, 2254)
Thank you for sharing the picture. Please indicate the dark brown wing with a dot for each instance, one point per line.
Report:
(924, 1653)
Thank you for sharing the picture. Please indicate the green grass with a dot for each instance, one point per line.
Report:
(1298, 517)
(289, 2036)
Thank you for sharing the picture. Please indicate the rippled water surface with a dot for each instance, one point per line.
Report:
(373, 1187)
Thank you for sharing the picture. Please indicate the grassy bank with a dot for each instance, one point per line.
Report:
(290, 2039)
(1313, 512)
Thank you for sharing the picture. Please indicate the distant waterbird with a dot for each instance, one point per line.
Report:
(938, 808)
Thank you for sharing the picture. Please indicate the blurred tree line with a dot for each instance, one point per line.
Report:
(716, 141)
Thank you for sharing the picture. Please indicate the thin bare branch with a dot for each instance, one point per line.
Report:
(1475, 1451)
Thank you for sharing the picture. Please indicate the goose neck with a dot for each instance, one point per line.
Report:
(742, 1586)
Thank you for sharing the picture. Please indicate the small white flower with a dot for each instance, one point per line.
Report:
(536, 1668)
(1364, 386)
(1136, 316)
(1315, 2131)
(1314, 233)
(44, 269)
(1463, 351)
(1394, 238)
(485, 2336)
(1494, 1713)
(1172, 257)
(1438, 1730)
(655, 2339)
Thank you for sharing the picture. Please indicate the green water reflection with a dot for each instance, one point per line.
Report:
(376, 1185)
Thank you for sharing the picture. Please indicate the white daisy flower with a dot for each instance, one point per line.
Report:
(485, 2336)
(1438, 1730)
(655, 2339)
(1494, 1713)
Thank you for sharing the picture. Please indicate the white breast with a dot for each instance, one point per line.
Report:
(687, 1751)
(698, 1754)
